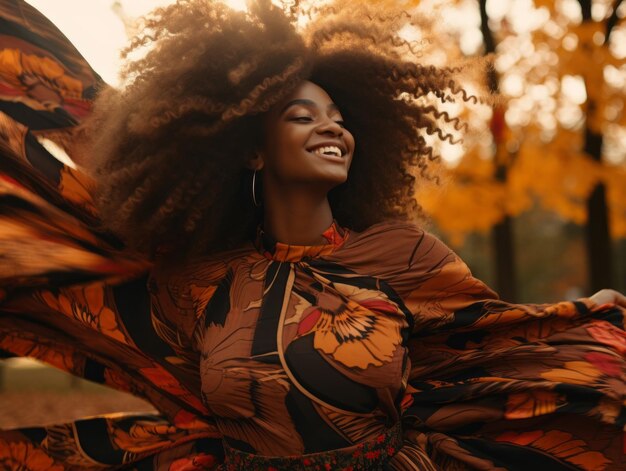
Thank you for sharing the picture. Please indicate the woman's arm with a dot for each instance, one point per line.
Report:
(490, 379)
(609, 296)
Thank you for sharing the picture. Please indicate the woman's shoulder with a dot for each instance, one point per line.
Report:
(393, 245)
(396, 236)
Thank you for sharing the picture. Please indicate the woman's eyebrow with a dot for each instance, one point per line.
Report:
(299, 101)
(305, 102)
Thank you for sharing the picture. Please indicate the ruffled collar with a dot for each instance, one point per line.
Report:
(279, 251)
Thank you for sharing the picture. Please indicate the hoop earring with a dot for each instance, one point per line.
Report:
(256, 203)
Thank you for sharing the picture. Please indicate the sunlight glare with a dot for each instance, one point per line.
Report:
(571, 9)
(618, 43)
(573, 88)
(497, 9)
(237, 4)
(570, 42)
(452, 153)
(512, 85)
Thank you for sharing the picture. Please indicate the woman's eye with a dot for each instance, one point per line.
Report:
(302, 118)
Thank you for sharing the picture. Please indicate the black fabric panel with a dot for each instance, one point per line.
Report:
(34, 434)
(36, 119)
(581, 308)
(437, 396)
(427, 404)
(10, 203)
(308, 296)
(34, 181)
(316, 434)
(94, 371)
(580, 399)
(272, 359)
(42, 160)
(620, 420)
(146, 464)
(95, 441)
(459, 341)
(219, 305)
(240, 445)
(90, 93)
(317, 286)
(4, 354)
(267, 325)
(613, 316)
(133, 304)
(212, 446)
(322, 380)
(466, 316)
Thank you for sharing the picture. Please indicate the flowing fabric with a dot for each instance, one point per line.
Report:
(284, 356)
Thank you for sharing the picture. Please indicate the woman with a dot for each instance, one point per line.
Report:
(264, 290)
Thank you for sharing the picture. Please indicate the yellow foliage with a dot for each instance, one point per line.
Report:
(547, 164)
(560, 181)
(460, 208)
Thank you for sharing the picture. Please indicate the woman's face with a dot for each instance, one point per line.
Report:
(306, 141)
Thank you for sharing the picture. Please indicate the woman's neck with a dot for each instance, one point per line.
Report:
(297, 218)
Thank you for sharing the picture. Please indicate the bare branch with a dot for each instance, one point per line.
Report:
(612, 21)
(585, 6)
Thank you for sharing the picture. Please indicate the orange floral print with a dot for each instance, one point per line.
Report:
(166, 381)
(531, 404)
(606, 333)
(607, 364)
(359, 334)
(24, 456)
(574, 372)
(87, 305)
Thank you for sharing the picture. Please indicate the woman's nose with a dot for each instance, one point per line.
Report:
(330, 126)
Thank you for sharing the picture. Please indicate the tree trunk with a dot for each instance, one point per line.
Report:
(599, 259)
(502, 232)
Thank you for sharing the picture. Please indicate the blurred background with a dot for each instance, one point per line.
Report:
(533, 199)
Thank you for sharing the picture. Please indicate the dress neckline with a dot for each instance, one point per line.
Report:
(282, 252)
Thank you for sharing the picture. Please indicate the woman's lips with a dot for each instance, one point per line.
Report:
(331, 158)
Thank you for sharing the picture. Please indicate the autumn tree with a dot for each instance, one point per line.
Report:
(562, 80)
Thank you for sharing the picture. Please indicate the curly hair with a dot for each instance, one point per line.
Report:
(169, 149)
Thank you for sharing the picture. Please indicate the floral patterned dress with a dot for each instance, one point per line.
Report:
(376, 350)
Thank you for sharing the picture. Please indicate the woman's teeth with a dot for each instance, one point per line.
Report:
(329, 150)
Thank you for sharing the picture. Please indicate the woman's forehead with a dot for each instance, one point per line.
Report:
(307, 92)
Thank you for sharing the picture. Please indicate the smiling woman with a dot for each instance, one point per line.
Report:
(306, 152)
(236, 249)
(310, 123)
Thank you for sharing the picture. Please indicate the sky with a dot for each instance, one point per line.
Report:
(95, 29)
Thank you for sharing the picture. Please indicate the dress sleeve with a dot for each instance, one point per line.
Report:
(112, 334)
(71, 295)
(50, 233)
(490, 379)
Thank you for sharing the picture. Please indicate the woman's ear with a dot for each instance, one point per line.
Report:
(256, 162)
